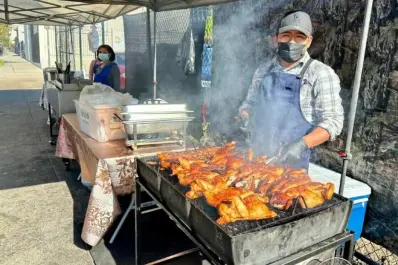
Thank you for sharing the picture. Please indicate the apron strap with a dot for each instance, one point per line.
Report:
(305, 67)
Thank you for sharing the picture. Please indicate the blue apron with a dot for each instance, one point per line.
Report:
(277, 115)
(102, 75)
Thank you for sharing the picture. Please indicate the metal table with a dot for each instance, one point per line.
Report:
(345, 239)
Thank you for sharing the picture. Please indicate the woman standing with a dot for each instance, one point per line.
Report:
(106, 72)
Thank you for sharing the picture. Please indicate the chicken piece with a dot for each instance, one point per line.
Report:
(195, 192)
(214, 198)
(235, 162)
(252, 167)
(281, 201)
(263, 188)
(309, 199)
(329, 191)
(267, 182)
(244, 207)
(228, 213)
(186, 179)
(306, 198)
(214, 168)
(240, 206)
(166, 163)
(261, 159)
(184, 163)
(293, 173)
(285, 185)
(326, 191)
(200, 186)
(226, 151)
(226, 178)
(250, 155)
(258, 171)
(221, 160)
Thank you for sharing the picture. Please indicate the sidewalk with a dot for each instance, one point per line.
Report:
(17, 73)
(42, 206)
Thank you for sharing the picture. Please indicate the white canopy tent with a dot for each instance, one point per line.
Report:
(159, 5)
(57, 12)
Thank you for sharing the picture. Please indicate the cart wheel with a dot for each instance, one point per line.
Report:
(53, 142)
(66, 164)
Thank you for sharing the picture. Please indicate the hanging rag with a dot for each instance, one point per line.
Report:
(186, 53)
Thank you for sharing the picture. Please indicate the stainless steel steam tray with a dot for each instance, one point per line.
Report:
(155, 108)
(149, 121)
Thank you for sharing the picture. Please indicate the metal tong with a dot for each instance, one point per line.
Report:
(276, 157)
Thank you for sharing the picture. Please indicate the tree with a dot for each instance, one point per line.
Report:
(5, 34)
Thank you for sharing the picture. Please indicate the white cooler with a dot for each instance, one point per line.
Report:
(99, 122)
(354, 190)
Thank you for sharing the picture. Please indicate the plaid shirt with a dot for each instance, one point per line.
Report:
(320, 99)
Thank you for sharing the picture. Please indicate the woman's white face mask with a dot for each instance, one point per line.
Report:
(103, 57)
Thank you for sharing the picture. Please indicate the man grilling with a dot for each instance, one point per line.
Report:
(294, 100)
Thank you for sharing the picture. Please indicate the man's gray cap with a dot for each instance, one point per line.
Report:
(299, 20)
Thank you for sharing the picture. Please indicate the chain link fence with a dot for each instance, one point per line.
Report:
(179, 41)
(368, 252)
(71, 44)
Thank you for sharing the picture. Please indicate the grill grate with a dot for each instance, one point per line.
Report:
(238, 227)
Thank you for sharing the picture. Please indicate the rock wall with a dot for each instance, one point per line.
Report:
(338, 26)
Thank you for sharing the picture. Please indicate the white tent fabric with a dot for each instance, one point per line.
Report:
(58, 12)
(160, 5)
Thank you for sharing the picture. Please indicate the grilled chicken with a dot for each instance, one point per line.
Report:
(281, 201)
(311, 195)
(240, 185)
(215, 199)
(247, 206)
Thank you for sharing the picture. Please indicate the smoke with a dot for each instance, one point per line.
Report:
(242, 41)
(240, 44)
(242, 37)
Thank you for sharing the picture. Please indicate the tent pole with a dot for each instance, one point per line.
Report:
(355, 93)
(154, 54)
(80, 48)
(6, 12)
(56, 44)
(149, 42)
(48, 46)
(103, 32)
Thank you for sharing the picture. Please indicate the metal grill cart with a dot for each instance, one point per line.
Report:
(292, 237)
(155, 124)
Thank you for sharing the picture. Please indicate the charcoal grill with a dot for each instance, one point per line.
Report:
(245, 242)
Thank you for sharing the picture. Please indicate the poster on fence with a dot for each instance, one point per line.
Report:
(118, 41)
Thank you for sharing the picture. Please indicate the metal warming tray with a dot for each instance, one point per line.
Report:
(247, 242)
(155, 108)
(161, 119)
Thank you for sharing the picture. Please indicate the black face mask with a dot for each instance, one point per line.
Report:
(291, 52)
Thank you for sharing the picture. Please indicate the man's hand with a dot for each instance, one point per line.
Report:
(291, 154)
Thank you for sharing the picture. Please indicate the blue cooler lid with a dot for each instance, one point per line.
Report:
(352, 189)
